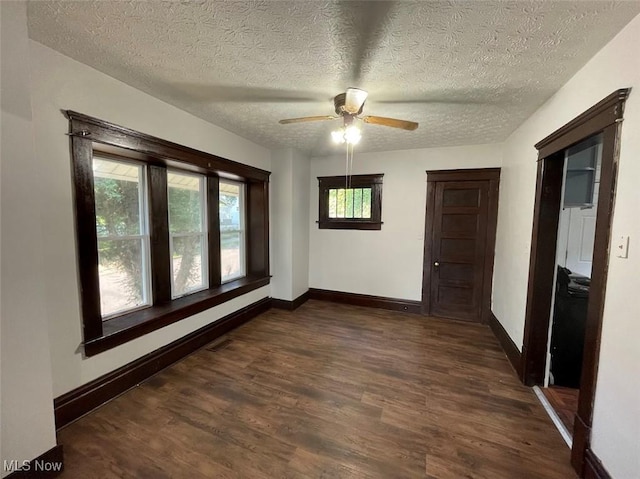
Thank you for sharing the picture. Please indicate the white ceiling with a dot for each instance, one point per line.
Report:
(469, 72)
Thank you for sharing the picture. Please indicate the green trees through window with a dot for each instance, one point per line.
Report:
(350, 203)
(232, 236)
(121, 226)
(187, 231)
(123, 240)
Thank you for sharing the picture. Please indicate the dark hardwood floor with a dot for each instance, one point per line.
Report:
(564, 402)
(327, 391)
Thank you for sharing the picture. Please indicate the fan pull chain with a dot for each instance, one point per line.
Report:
(350, 163)
(349, 167)
(346, 173)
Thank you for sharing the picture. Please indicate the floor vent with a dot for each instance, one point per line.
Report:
(221, 344)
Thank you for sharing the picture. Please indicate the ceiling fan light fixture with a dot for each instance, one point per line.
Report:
(352, 135)
(338, 136)
(354, 100)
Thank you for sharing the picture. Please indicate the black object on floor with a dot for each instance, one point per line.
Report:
(567, 333)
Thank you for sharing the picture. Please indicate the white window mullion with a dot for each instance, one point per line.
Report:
(146, 241)
(204, 247)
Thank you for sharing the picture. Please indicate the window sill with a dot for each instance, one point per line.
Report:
(124, 328)
(350, 225)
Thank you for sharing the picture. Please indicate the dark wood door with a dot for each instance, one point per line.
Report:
(460, 226)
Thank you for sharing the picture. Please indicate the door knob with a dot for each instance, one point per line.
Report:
(436, 264)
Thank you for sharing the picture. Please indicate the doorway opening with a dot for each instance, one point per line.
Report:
(577, 167)
(582, 165)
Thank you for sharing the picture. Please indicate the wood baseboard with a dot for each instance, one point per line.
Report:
(406, 305)
(80, 401)
(290, 305)
(593, 468)
(508, 346)
(49, 464)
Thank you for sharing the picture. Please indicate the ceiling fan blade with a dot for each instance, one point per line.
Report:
(354, 100)
(392, 122)
(307, 118)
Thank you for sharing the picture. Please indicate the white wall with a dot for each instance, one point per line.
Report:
(300, 199)
(289, 224)
(26, 418)
(281, 227)
(616, 423)
(59, 82)
(386, 262)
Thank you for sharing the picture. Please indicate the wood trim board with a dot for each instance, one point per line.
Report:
(393, 304)
(593, 468)
(542, 266)
(125, 328)
(112, 135)
(290, 305)
(607, 111)
(507, 344)
(472, 174)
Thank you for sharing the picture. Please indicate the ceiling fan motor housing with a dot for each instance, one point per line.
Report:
(339, 102)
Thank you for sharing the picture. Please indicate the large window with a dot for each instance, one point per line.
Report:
(160, 235)
(350, 202)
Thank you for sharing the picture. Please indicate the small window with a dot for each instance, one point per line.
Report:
(187, 233)
(353, 202)
(123, 237)
(232, 234)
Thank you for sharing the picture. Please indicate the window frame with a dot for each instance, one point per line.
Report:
(326, 183)
(89, 136)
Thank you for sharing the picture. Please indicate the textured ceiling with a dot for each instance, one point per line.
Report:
(469, 72)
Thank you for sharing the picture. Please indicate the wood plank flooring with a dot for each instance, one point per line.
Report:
(327, 391)
(564, 402)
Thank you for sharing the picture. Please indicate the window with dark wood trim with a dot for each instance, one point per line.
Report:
(350, 202)
(156, 223)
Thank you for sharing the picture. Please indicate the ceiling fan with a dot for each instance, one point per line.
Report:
(348, 106)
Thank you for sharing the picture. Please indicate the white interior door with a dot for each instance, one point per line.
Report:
(581, 235)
